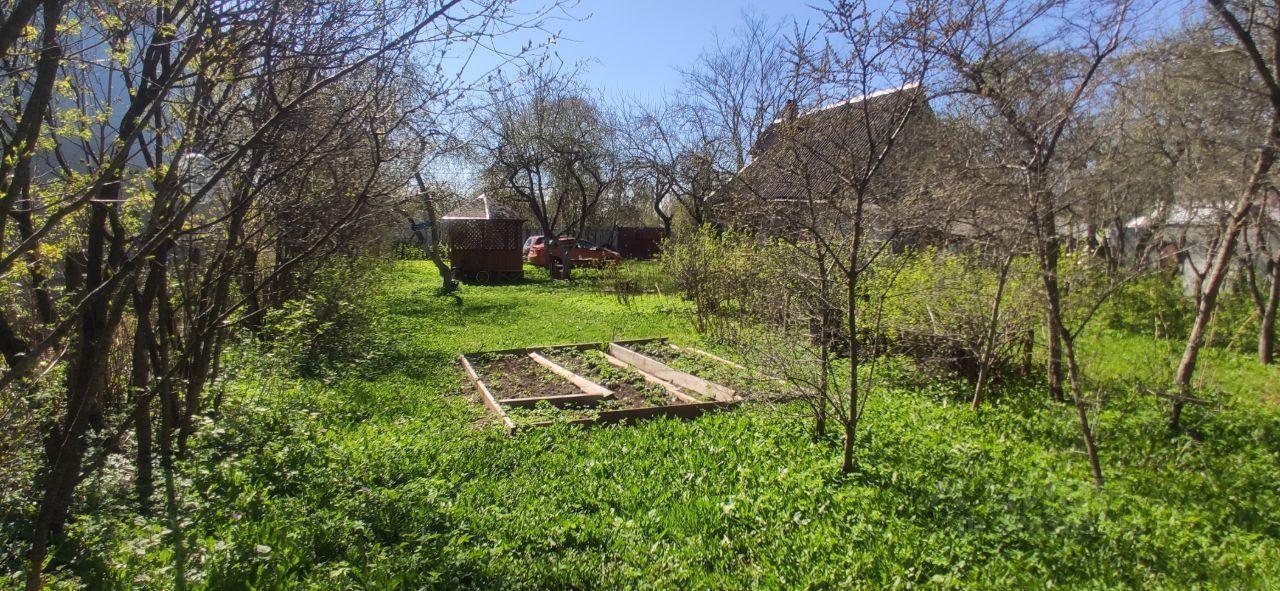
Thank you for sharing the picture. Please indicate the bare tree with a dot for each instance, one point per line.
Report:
(829, 183)
(651, 147)
(552, 149)
(671, 161)
(1262, 253)
(195, 147)
(1030, 70)
(1259, 29)
(737, 86)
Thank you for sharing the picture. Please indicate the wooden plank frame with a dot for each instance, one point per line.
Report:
(630, 415)
(663, 371)
(733, 364)
(487, 396)
(652, 379)
(587, 386)
(730, 363)
(591, 391)
(675, 381)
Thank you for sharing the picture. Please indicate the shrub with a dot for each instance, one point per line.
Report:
(627, 279)
(330, 324)
(938, 310)
(715, 270)
(1153, 304)
(1156, 305)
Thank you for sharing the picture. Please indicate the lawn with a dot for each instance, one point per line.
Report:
(389, 475)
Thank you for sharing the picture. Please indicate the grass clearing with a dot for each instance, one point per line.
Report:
(390, 475)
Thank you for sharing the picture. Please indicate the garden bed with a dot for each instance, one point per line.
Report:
(520, 380)
(745, 382)
(586, 384)
(632, 388)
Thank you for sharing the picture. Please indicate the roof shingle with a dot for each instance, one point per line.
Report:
(814, 156)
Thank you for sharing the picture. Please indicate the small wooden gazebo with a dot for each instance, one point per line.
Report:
(484, 241)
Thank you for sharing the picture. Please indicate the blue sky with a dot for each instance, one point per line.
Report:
(632, 47)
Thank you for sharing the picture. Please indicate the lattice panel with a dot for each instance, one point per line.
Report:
(505, 235)
(484, 234)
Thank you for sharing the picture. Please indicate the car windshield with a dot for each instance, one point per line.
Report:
(585, 244)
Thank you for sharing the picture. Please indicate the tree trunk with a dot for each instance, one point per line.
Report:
(1053, 297)
(448, 285)
(1050, 249)
(566, 262)
(65, 443)
(138, 388)
(665, 217)
(824, 347)
(1267, 326)
(1082, 414)
(820, 417)
(1047, 250)
(984, 362)
(850, 431)
(1217, 275)
(853, 416)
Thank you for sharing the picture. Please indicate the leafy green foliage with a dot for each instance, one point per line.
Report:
(1153, 305)
(715, 270)
(388, 477)
(937, 309)
(1156, 305)
(329, 326)
(591, 363)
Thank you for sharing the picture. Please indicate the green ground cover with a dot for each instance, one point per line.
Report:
(389, 475)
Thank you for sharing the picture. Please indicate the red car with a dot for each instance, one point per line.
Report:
(581, 252)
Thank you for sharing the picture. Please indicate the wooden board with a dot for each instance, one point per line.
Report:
(559, 401)
(628, 415)
(579, 346)
(733, 364)
(487, 396)
(587, 386)
(652, 379)
(675, 376)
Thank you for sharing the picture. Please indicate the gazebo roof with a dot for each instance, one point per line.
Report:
(483, 208)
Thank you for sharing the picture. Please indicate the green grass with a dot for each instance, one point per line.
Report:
(391, 476)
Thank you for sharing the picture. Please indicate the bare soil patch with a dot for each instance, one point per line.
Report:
(518, 376)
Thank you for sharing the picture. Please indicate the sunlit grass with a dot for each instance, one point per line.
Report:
(391, 475)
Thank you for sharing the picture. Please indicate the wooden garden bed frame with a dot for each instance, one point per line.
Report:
(617, 353)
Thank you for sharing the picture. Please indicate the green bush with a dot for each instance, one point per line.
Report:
(1235, 322)
(716, 270)
(1153, 304)
(937, 309)
(330, 325)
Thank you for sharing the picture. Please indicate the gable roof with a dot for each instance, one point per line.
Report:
(483, 208)
(808, 156)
